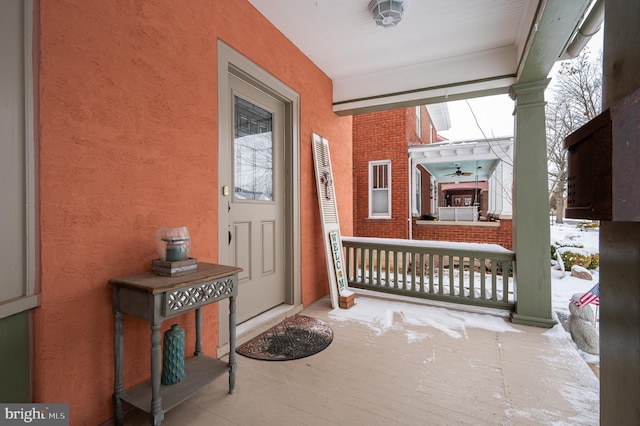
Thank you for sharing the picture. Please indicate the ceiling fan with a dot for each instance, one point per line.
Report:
(459, 172)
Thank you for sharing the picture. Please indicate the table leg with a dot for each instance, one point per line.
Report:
(198, 332)
(232, 344)
(157, 415)
(118, 355)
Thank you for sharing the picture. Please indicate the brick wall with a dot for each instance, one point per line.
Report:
(385, 135)
(426, 126)
(501, 234)
(380, 136)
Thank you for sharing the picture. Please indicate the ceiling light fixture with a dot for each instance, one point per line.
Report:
(387, 13)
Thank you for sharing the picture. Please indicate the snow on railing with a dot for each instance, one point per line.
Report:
(468, 273)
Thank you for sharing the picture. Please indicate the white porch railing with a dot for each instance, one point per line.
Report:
(472, 274)
(468, 213)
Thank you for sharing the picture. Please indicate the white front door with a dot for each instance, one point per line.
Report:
(252, 199)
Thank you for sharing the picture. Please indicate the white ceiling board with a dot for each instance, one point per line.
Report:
(483, 65)
(341, 38)
(437, 43)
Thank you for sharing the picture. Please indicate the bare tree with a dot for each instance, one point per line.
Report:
(577, 98)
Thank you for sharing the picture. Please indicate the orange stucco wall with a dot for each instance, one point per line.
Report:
(128, 144)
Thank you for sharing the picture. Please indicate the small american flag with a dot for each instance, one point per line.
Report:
(592, 296)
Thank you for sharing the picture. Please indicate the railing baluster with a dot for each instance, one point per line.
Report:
(431, 256)
(352, 261)
(506, 267)
(363, 256)
(472, 276)
(378, 280)
(396, 280)
(385, 271)
(483, 280)
(440, 274)
(369, 265)
(356, 265)
(411, 269)
(405, 272)
(420, 261)
(451, 275)
(347, 263)
(494, 280)
(363, 265)
(385, 268)
(400, 270)
(461, 277)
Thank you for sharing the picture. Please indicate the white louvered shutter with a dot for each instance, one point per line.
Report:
(329, 215)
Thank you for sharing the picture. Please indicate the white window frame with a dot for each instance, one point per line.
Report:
(417, 192)
(419, 121)
(372, 166)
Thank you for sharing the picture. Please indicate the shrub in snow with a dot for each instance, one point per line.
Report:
(585, 226)
(572, 257)
(575, 255)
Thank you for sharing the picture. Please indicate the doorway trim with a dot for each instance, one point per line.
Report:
(231, 62)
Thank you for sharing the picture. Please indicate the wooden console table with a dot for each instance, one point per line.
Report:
(155, 298)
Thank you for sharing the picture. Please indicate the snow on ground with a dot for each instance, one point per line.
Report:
(378, 314)
(565, 286)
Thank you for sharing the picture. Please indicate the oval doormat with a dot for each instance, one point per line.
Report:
(295, 337)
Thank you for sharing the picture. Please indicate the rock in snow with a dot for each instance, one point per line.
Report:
(581, 272)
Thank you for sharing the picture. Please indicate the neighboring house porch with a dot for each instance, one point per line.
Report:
(469, 192)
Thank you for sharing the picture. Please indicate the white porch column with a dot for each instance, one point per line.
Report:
(531, 240)
(433, 195)
(500, 190)
(495, 202)
(506, 189)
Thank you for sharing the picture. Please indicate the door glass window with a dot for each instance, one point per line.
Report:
(253, 151)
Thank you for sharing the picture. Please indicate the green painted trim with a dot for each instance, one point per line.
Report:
(531, 234)
(20, 304)
(415, 102)
(456, 300)
(367, 251)
(532, 321)
(15, 356)
(532, 87)
(558, 22)
(425, 89)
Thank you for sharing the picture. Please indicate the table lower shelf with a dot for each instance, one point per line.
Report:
(199, 372)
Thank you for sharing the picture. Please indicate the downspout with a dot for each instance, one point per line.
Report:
(588, 29)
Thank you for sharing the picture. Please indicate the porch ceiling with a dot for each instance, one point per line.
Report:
(441, 50)
(444, 172)
(475, 159)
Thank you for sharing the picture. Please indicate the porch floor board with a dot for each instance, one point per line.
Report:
(369, 376)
